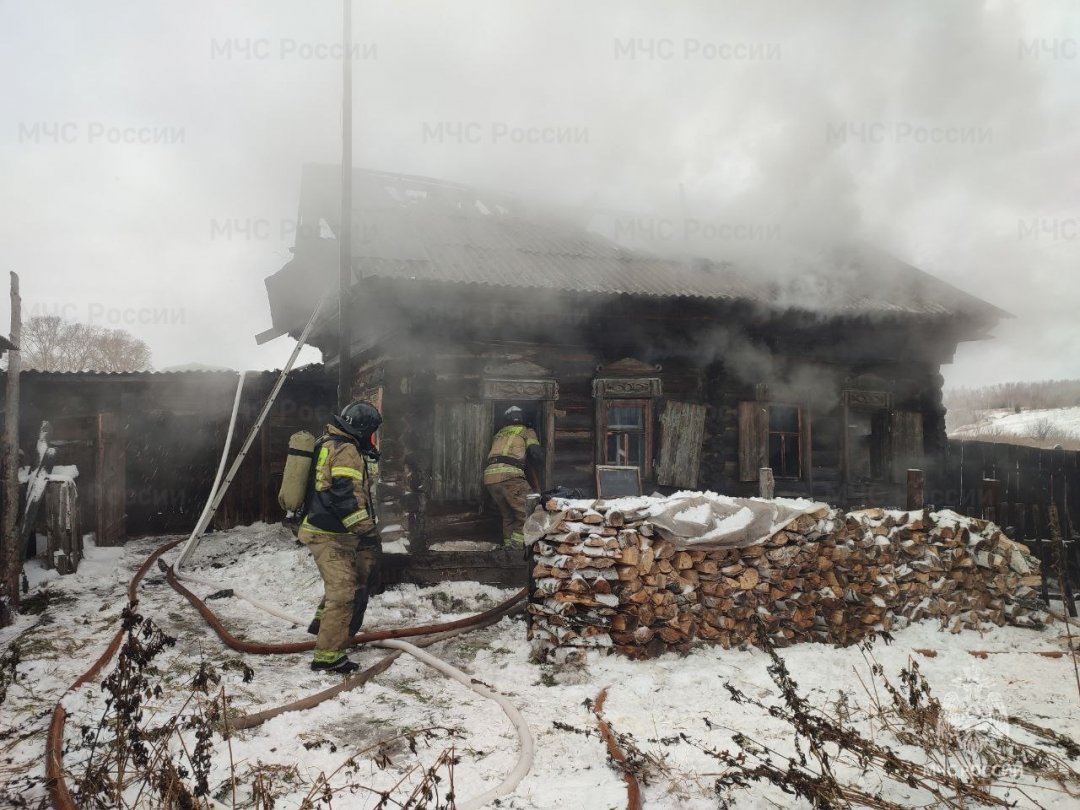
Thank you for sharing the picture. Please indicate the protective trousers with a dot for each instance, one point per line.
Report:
(350, 573)
(509, 496)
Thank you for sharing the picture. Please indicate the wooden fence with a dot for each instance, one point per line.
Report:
(1014, 486)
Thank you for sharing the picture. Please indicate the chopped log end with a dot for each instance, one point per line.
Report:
(604, 580)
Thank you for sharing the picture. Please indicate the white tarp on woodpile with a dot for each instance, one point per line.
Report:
(702, 520)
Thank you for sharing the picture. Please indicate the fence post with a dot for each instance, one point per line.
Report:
(915, 489)
(1061, 560)
(766, 482)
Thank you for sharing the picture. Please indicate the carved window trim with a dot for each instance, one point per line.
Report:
(627, 387)
(491, 388)
(867, 400)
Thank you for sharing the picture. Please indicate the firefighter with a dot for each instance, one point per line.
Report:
(513, 450)
(339, 528)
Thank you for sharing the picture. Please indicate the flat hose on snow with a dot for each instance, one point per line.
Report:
(58, 789)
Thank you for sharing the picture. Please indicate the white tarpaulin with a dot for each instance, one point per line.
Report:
(689, 519)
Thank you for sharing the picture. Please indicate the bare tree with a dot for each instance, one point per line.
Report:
(1043, 428)
(50, 343)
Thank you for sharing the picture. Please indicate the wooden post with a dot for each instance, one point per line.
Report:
(62, 527)
(766, 483)
(1060, 559)
(10, 548)
(915, 489)
(990, 498)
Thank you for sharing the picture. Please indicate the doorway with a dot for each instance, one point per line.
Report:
(539, 415)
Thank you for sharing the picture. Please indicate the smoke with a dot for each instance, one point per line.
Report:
(757, 133)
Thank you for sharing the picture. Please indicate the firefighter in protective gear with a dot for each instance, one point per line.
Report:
(513, 449)
(339, 528)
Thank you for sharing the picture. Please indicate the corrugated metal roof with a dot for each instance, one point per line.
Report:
(128, 374)
(414, 228)
(310, 369)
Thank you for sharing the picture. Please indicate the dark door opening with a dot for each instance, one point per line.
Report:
(538, 416)
(533, 414)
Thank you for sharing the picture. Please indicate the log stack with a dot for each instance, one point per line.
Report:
(604, 577)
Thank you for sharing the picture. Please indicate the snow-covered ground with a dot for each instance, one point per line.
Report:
(1035, 424)
(654, 701)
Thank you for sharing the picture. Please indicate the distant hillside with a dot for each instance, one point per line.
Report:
(1026, 395)
(1039, 414)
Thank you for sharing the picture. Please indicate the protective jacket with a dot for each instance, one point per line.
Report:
(340, 499)
(507, 456)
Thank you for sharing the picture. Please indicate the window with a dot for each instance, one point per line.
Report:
(624, 415)
(776, 436)
(784, 441)
(866, 445)
(626, 433)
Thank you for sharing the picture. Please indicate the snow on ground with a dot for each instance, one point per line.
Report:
(1026, 423)
(654, 701)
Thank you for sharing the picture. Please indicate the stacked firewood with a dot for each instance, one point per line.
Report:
(605, 577)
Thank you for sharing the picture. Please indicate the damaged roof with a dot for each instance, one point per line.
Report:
(409, 228)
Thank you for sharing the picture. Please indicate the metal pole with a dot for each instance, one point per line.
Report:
(10, 547)
(345, 230)
(218, 495)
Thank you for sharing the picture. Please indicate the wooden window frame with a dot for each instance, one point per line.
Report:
(800, 440)
(754, 417)
(646, 404)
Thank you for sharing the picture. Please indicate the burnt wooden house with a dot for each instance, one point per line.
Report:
(698, 373)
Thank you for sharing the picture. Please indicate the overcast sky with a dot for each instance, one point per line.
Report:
(151, 152)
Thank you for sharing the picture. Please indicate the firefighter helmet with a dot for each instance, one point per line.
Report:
(514, 415)
(359, 419)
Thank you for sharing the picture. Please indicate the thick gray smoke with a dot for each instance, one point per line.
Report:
(154, 153)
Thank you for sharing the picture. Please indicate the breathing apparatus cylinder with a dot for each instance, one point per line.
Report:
(297, 471)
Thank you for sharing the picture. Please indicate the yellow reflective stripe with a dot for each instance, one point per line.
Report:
(354, 518)
(531, 441)
(307, 527)
(321, 484)
(505, 439)
(347, 472)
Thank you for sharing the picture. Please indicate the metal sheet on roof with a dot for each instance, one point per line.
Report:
(414, 228)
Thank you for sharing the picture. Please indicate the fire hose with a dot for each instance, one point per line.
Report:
(58, 790)
(61, 796)
(390, 639)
